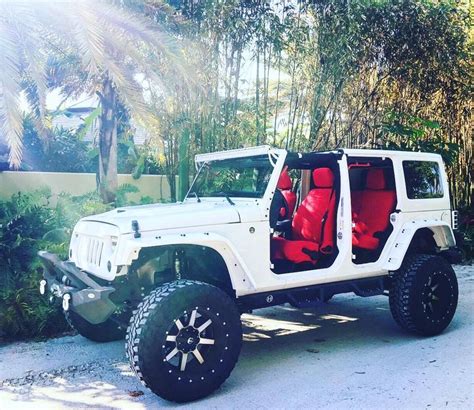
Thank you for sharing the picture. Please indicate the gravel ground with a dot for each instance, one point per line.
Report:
(346, 353)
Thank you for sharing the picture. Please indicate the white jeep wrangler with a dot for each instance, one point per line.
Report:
(259, 227)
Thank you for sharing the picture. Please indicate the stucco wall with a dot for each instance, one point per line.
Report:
(11, 182)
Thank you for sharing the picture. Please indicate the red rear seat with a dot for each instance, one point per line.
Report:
(371, 210)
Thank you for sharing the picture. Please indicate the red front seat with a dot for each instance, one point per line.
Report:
(285, 185)
(313, 223)
(373, 216)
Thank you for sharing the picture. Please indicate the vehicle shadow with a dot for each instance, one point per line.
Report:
(346, 326)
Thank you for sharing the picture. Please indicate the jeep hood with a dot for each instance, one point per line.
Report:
(168, 216)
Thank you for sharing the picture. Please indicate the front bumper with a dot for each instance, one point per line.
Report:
(76, 288)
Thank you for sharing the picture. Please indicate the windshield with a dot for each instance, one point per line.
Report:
(236, 177)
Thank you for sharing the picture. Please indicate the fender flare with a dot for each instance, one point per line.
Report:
(238, 270)
(442, 235)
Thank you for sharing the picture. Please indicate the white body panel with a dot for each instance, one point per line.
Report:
(241, 232)
(167, 216)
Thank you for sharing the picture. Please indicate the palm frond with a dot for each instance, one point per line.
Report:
(108, 41)
(10, 114)
(33, 59)
(139, 32)
(90, 38)
(136, 28)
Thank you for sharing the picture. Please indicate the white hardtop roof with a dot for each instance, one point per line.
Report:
(266, 149)
(391, 153)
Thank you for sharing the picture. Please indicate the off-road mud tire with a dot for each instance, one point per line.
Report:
(411, 288)
(108, 331)
(148, 346)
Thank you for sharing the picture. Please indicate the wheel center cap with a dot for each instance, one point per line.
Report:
(187, 339)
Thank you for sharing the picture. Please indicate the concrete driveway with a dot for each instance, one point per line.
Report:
(348, 353)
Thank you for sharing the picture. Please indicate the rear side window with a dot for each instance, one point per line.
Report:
(422, 179)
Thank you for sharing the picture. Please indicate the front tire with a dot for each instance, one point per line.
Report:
(424, 294)
(184, 340)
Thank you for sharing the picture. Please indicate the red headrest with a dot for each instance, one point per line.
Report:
(323, 178)
(375, 179)
(284, 182)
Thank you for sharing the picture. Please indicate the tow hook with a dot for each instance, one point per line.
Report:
(42, 286)
(66, 299)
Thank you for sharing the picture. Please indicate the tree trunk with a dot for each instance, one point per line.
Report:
(171, 159)
(276, 100)
(108, 180)
(236, 81)
(257, 96)
(290, 109)
(183, 163)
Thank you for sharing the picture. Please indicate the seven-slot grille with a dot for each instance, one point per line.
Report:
(95, 247)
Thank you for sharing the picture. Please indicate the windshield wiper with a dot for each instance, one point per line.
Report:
(221, 193)
(196, 195)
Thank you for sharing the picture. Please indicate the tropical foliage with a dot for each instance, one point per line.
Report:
(29, 223)
(66, 151)
(82, 46)
(299, 74)
(324, 75)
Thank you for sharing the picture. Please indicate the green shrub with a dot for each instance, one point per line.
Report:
(466, 233)
(62, 151)
(66, 151)
(29, 223)
(24, 222)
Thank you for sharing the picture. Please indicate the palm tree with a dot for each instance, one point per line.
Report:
(118, 52)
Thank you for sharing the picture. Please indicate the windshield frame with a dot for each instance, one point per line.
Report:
(194, 189)
(276, 155)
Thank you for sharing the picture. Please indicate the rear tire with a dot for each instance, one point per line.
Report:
(184, 340)
(424, 294)
(107, 331)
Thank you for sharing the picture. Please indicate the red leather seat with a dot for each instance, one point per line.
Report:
(313, 223)
(371, 209)
(285, 185)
